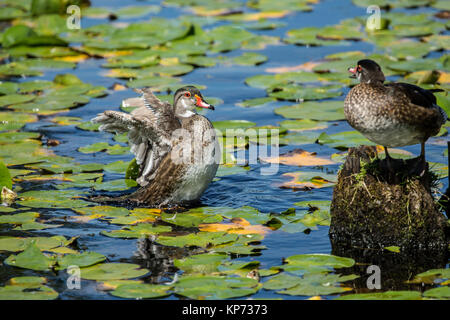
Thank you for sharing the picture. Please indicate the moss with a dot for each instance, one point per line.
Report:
(372, 208)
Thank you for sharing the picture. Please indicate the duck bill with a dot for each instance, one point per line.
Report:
(202, 103)
(353, 72)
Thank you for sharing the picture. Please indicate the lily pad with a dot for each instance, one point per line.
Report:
(140, 230)
(215, 287)
(85, 259)
(31, 258)
(112, 271)
(322, 111)
(191, 218)
(316, 262)
(200, 263)
(388, 295)
(141, 291)
(438, 293)
(344, 140)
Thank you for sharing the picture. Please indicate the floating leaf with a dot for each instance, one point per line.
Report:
(237, 225)
(317, 284)
(5, 177)
(191, 218)
(388, 295)
(299, 157)
(85, 259)
(32, 291)
(316, 262)
(307, 180)
(112, 271)
(141, 291)
(344, 140)
(438, 293)
(200, 263)
(215, 287)
(323, 111)
(140, 230)
(52, 199)
(200, 239)
(31, 258)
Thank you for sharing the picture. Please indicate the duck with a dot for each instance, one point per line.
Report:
(393, 114)
(176, 148)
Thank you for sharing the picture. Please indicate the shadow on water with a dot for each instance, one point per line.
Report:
(396, 268)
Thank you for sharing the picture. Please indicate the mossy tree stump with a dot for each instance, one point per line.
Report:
(373, 207)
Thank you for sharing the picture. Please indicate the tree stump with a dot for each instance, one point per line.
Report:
(373, 207)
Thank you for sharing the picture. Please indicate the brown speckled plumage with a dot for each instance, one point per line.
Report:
(160, 135)
(392, 115)
(169, 175)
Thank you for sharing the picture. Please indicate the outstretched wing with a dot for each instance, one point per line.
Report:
(155, 110)
(149, 128)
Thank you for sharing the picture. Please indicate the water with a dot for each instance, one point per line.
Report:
(252, 189)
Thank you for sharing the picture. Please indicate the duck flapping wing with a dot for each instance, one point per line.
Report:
(149, 126)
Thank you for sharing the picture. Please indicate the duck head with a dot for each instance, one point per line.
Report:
(367, 71)
(188, 98)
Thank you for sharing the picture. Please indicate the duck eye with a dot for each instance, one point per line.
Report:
(187, 94)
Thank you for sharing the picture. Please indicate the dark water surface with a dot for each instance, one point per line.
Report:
(251, 188)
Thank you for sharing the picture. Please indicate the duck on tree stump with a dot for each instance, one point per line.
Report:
(385, 203)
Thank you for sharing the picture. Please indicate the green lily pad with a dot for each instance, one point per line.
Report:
(227, 170)
(232, 124)
(215, 287)
(388, 295)
(249, 59)
(316, 284)
(256, 102)
(116, 185)
(5, 177)
(303, 124)
(200, 239)
(298, 93)
(136, 11)
(200, 263)
(15, 99)
(31, 258)
(438, 293)
(108, 211)
(52, 199)
(322, 111)
(27, 290)
(19, 218)
(14, 120)
(316, 262)
(309, 36)
(141, 291)
(85, 259)
(281, 281)
(112, 271)
(33, 225)
(96, 147)
(344, 140)
(191, 218)
(299, 138)
(140, 230)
